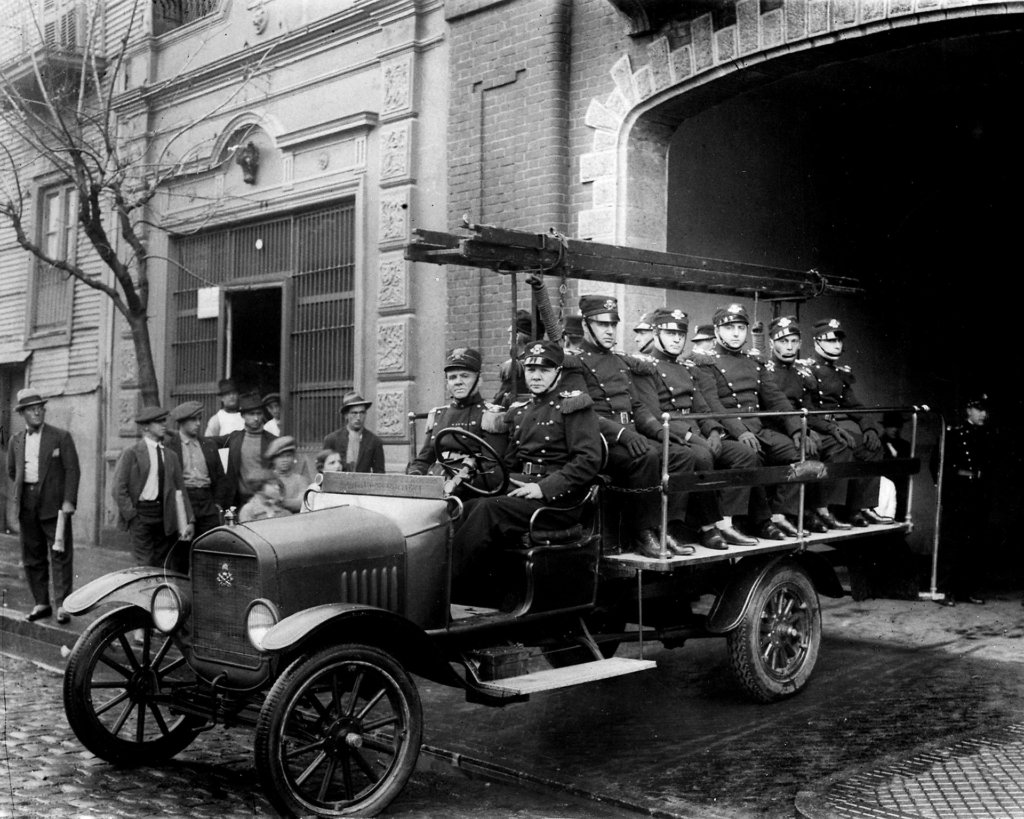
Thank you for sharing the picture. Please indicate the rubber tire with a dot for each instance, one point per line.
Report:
(785, 585)
(110, 637)
(281, 708)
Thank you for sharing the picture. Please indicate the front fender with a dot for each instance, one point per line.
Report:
(133, 586)
(730, 605)
(337, 623)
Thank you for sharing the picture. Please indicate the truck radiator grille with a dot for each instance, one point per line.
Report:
(223, 586)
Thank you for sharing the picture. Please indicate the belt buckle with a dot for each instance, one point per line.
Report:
(624, 419)
(528, 468)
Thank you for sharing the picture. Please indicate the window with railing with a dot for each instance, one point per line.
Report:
(171, 14)
(51, 290)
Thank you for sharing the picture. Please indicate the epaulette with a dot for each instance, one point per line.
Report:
(574, 401)
(493, 420)
(573, 363)
(770, 366)
(844, 368)
(514, 409)
(702, 358)
(432, 416)
(638, 365)
(806, 362)
(687, 362)
(645, 357)
(804, 372)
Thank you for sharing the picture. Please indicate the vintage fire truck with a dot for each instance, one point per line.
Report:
(310, 628)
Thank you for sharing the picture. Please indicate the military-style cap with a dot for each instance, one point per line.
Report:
(286, 443)
(150, 414)
(29, 398)
(573, 325)
(226, 385)
(594, 306)
(829, 328)
(731, 314)
(463, 358)
(705, 332)
(979, 402)
(183, 412)
(646, 322)
(271, 398)
(665, 319)
(250, 402)
(783, 326)
(353, 399)
(544, 354)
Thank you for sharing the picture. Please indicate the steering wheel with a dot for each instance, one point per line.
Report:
(473, 446)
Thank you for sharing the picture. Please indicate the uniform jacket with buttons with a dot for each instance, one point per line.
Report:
(608, 379)
(744, 383)
(472, 414)
(791, 377)
(678, 387)
(558, 432)
(829, 386)
(59, 472)
(969, 448)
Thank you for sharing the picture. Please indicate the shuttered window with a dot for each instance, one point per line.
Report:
(51, 290)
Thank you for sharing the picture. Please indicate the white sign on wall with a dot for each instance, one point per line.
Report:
(209, 302)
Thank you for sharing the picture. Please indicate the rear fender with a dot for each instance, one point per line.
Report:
(336, 623)
(730, 605)
(133, 586)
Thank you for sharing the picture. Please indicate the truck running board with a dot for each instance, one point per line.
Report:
(552, 678)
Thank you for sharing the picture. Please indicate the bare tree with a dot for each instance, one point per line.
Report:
(65, 116)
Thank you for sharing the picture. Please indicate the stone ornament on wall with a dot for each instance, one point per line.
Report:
(702, 55)
(396, 151)
(127, 365)
(393, 346)
(394, 217)
(129, 402)
(392, 412)
(397, 86)
(394, 274)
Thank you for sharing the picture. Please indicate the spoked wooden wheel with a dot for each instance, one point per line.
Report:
(339, 733)
(774, 648)
(115, 689)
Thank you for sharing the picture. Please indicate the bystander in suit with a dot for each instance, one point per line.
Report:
(42, 464)
(360, 449)
(201, 468)
(147, 480)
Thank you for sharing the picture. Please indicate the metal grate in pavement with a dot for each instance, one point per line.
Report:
(979, 778)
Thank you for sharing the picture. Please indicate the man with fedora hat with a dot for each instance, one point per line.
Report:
(201, 467)
(147, 483)
(42, 464)
(227, 419)
(361, 450)
(467, 410)
(246, 451)
(829, 386)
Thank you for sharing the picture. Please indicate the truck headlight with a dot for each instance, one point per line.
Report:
(168, 608)
(259, 619)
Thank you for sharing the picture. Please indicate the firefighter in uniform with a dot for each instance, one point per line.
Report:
(828, 385)
(553, 455)
(467, 410)
(966, 502)
(679, 389)
(633, 461)
(643, 332)
(791, 374)
(743, 382)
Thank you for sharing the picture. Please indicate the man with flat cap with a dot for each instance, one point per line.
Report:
(791, 374)
(272, 404)
(247, 450)
(743, 382)
(466, 411)
(42, 464)
(203, 474)
(829, 386)
(147, 483)
(553, 455)
(360, 449)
